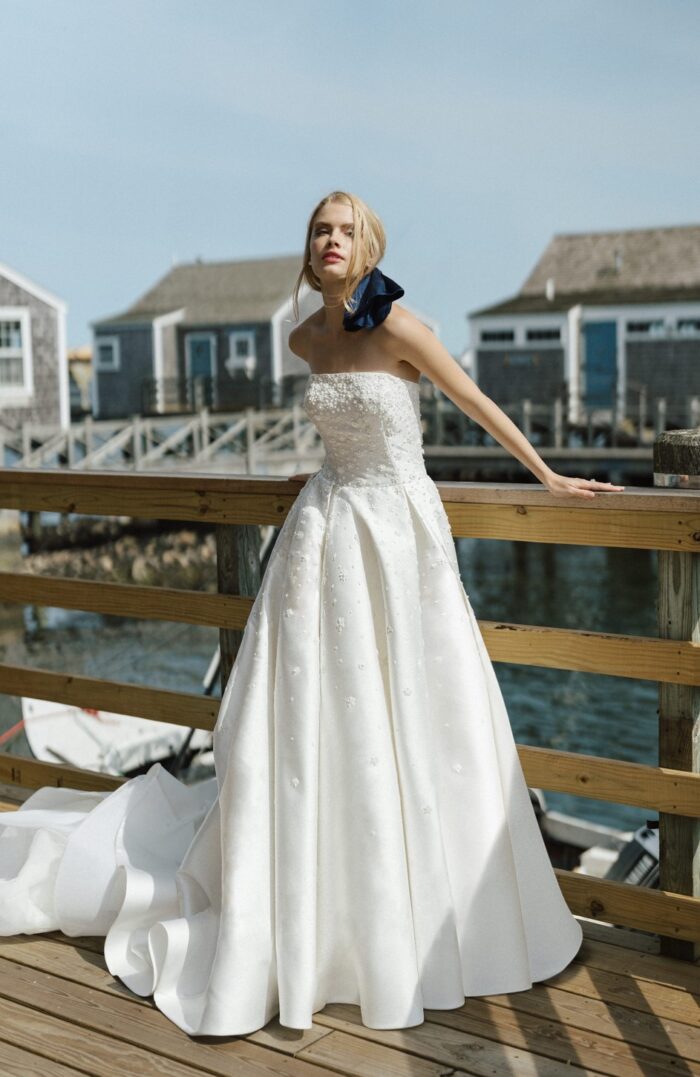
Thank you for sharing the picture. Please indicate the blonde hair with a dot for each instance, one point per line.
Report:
(369, 244)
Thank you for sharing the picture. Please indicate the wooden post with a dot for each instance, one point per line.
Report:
(136, 441)
(250, 440)
(558, 422)
(695, 411)
(677, 464)
(642, 413)
(527, 419)
(89, 435)
(238, 573)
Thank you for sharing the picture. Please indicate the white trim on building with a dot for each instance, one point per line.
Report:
(16, 395)
(113, 342)
(664, 317)
(63, 370)
(245, 362)
(29, 286)
(161, 322)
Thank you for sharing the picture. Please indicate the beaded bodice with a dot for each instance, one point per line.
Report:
(369, 422)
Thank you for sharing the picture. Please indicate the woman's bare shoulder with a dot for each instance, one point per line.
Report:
(301, 334)
(402, 328)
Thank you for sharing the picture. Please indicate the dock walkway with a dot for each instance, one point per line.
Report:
(618, 1009)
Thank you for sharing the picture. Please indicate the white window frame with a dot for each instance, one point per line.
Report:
(686, 333)
(556, 340)
(20, 394)
(115, 365)
(235, 363)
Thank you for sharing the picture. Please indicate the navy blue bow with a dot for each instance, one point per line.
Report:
(371, 301)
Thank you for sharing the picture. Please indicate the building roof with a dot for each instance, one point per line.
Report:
(250, 290)
(640, 265)
(29, 286)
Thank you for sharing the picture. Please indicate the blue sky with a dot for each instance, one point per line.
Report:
(136, 133)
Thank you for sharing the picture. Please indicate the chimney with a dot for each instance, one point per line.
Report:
(549, 289)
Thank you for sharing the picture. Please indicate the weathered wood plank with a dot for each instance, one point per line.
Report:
(634, 906)
(677, 452)
(94, 1015)
(127, 600)
(598, 1033)
(611, 1032)
(683, 975)
(153, 497)
(507, 510)
(611, 779)
(508, 1042)
(637, 657)
(363, 1058)
(62, 1041)
(547, 768)
(19, 1063)
(31, 774)
(626, 937)
(159, 704)
(650, 530)
(237, 571)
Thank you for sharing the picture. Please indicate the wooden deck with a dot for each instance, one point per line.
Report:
(618, 1009)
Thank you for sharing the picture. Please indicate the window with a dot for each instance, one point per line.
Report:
(497, 336)
(688, 327)
(107, 353)
(652, 328)
(241, 357)
(15, 352)
(543, 334)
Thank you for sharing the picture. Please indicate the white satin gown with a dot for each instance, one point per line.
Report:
(369, 836)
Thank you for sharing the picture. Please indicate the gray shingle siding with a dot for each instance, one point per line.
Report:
(239, 391)
(44, 406)
(510, 376)
(120, 392)
(667, 368)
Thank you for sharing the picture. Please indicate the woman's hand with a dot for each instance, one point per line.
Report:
(561, 485)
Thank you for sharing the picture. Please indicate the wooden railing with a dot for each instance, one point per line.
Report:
(659, 519)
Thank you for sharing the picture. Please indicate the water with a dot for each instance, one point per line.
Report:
(528, 583)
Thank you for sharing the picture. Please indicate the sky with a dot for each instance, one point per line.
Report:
(135, 134)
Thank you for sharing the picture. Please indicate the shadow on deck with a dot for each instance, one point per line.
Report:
(618, 1009)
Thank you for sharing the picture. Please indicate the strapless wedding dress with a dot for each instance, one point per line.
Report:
(369, 836)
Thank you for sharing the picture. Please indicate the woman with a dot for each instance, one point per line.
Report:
(369, 836)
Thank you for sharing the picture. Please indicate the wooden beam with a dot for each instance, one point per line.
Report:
(661, 911)
(638, 657)
(127, 600)
(576, 526)
(34, 773)
(677, 459)
(159, 704)
(658, 788)
(647, 519)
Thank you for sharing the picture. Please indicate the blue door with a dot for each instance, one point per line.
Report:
(200, 356)
(600, 363)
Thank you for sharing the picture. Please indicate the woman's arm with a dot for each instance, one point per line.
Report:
(412, 341)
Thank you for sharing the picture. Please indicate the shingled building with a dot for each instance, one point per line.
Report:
(603, 319)
(207, 333)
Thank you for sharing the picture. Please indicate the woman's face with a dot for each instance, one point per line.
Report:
(331, 242)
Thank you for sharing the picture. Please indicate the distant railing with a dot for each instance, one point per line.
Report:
(659, 519)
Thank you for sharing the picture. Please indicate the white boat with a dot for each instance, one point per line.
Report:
(111, 743)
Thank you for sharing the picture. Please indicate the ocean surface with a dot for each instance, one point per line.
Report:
(528, 583)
